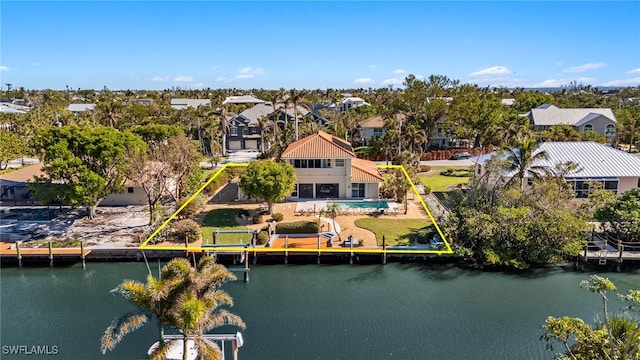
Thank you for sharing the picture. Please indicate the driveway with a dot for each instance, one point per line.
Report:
(241, 156)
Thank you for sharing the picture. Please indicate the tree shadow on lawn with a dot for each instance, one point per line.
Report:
(221, 218)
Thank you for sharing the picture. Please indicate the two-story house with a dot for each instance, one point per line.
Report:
(602, 121)
(326, 167)
(76, 109)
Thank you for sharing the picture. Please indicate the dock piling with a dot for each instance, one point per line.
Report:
(18, 253)
(84, 265)
(246, 266)
(50, 255)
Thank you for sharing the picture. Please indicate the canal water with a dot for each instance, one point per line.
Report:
(396, 311)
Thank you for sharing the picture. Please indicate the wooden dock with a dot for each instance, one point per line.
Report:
(7, 251)
(605, 250)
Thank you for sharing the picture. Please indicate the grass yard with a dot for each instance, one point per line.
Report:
(395, 231)
(439, 182)
(223, 219)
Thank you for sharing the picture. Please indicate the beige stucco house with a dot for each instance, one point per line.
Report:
(327, 168)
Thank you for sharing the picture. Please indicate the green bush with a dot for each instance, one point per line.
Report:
(262, 238)
(193, 208)
(427, 189)
(277, 217)
(185, 229)
(221, 180)
(257, 219)
(298, 227)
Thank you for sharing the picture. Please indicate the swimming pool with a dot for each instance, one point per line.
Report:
(362, 204)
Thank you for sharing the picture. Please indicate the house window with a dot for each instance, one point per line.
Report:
(130, 190)
(234, 130)
(587, 127)
(610, 130)
(357, 190)
(327, 163)
(296, 163)
(611, 185)
(379, 132)
(295, 191)
(339, 163)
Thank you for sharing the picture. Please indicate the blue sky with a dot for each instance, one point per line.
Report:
(290, 44)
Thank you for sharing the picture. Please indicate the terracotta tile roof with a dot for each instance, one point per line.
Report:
(365, 171)
(319, 146)
(24, 174)
(376, 121)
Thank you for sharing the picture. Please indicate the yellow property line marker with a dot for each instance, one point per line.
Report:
(355, 250)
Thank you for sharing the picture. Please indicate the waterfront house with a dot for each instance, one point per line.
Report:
(602, 121)
(351, 102)
(15, 190)
(326, 167)
(614, 169)
(242, 99)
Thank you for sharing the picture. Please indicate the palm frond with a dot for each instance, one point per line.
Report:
(119, 328)
(160, 353)
(207, 350)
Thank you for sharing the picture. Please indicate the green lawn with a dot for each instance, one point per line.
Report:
(439, 182)
(223, 219)
(395, 231)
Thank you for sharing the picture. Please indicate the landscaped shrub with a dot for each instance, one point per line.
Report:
(193, 207)
(277, 217)
(298, 227)
(262, 238)
(424, 168)
(221, 180)
(424, 235)
(185, 229)
(257, 219)
(427, 189)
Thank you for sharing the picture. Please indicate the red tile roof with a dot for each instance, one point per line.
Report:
(319, 146)
(376, 121)
(365, 171)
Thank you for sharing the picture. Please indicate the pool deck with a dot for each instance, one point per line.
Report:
(317, 205)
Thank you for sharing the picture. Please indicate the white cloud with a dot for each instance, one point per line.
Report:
(585, 67)
(627, 82)
(182, 78)
(563, 82)
(399, 71)
(5, 68)
(494, 70)
(392, 81)
(364, 81)
(248, 72)
(419, 77)
(198, 85)
(371, 66)
(634, 71)
(223, 79)
(160, 78)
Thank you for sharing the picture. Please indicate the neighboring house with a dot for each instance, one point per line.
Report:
(181, 104)
(508, 102)
(144, 101)
(616, 170)
(7, 109)
(351, 102)
(371, 128)
(244, 129)
(326, 167)
(602, 121)
(243, 99)
(15, 190)
(76, 109)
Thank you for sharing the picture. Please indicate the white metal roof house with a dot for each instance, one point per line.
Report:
(76, 109)
(180, 104)
(242, 99)
(599, 120)
(616, 170)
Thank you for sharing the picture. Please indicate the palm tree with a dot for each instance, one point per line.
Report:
(521, 159)
(297, 100)
(198, 309)
(185, 297)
